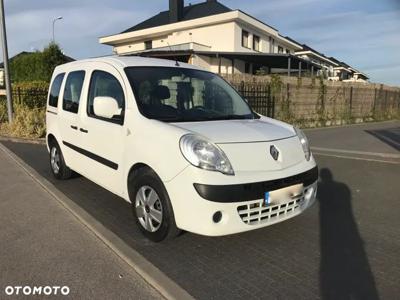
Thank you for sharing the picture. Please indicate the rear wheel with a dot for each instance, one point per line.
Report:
(57, 163)
(151, 206)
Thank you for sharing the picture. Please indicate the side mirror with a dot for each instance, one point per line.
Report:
(106, 107)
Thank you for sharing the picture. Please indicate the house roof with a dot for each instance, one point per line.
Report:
(190, 12)
(15, 56)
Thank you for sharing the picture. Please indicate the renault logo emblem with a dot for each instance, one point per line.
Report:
(274, 152)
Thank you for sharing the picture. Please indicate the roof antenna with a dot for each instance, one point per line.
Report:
(170, 49)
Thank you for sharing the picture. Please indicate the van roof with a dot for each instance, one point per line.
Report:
(133, 61)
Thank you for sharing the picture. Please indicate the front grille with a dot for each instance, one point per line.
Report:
(254, 213)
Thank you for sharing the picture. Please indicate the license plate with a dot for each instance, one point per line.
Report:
(267, 199)
(282, 195)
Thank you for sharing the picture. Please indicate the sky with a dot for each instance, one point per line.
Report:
(363, 33)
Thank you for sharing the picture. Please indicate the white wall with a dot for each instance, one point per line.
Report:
(219, 37)
(223, 37)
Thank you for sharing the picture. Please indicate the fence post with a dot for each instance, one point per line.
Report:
(19, 95)
(269, 102)
(273, 104)
(374, 105)
(351, 100)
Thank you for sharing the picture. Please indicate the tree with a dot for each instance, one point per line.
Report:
(52, 56)
(37, 66)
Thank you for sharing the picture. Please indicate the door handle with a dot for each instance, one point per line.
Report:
(74, 127)
(83, 130)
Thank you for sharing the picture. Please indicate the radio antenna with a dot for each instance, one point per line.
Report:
(170, 49)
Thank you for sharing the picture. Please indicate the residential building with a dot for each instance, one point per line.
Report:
(326, 65)
(346, 73)
(215, 37)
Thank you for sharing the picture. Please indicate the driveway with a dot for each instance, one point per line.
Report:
(345, 246)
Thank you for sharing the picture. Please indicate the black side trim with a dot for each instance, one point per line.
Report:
(52, 112)
(252, 191)
(93, 156)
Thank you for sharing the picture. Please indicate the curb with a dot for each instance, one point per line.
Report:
(351, 125)
(151, 274)
(41, 141)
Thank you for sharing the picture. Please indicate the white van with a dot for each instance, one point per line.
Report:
(179, 143)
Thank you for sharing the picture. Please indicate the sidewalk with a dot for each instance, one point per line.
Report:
(42, 244)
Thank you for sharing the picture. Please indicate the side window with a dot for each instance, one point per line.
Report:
(55, 90)
(105, 84)
(72, 91)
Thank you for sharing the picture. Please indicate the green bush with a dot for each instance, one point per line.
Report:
(3, 110)
(37, 65)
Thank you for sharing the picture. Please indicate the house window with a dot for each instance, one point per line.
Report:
(271, 45)
(256, 42)
(245, 39)
(280, 49)
(148, 45)
(287, 51)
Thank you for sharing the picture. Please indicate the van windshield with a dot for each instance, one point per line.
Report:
(185, 95)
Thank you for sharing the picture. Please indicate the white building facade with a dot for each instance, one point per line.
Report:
(209, 35)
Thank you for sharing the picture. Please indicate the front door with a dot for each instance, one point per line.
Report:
(103, 138)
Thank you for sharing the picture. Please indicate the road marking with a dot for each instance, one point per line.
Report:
(380, 154)
(357, 158)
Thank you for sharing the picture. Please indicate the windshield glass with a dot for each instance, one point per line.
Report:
(185, 95)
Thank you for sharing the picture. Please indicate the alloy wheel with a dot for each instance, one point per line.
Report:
(55, 160)
(148, 208)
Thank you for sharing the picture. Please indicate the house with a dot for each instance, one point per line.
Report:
(326, 64)
(215, 37)
(346, 73)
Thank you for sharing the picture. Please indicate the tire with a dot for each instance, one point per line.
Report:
(151, 206)
(57, 163)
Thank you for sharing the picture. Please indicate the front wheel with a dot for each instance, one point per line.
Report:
(151, 206)
(57, 163)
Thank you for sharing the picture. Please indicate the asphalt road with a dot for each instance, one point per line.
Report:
(344, 247)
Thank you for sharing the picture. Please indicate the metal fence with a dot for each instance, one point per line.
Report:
(30, 97)
(258, 96)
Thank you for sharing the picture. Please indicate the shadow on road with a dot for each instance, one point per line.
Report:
(390, 136)
(344, 271)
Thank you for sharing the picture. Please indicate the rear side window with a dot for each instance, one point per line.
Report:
(72, 91)
(55, 90)
(105, 84)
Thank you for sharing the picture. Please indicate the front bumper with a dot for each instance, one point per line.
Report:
(241, 205)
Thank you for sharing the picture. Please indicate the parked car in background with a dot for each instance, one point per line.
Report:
(179, 143)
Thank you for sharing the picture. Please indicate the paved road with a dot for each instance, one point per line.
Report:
(44, 245)
(345, 246)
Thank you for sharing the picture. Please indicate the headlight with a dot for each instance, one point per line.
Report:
(204, 154)
(304, 142)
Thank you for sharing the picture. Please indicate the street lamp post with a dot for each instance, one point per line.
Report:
(54, 22)
(6, 67)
